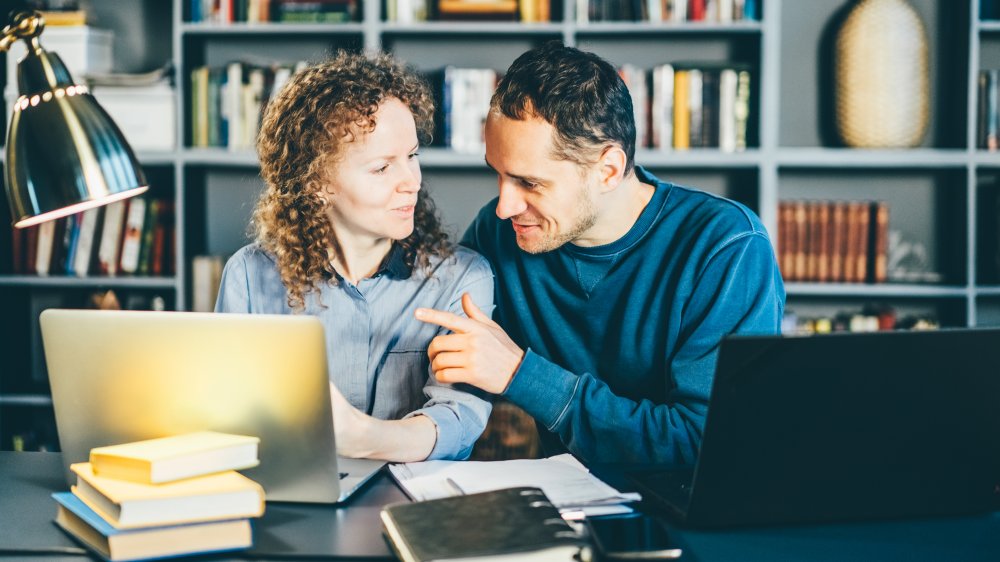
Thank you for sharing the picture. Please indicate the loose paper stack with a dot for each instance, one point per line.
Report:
(566, 482)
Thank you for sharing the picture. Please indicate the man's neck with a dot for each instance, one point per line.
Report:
(618, 210)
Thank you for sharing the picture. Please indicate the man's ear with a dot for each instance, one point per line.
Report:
(612, 168)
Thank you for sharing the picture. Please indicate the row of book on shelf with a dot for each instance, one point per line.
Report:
(130, 237)
(871, 318)
(676, 106)
(833, 241)
(530, 11)
(227, 102)
(164, 497)
(988, 110)
(690, 105)
(282, 11)
(717, 11)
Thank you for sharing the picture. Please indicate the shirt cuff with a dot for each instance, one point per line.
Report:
(543, 389)
(448, 444)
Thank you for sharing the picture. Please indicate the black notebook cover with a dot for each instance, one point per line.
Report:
(490, 524)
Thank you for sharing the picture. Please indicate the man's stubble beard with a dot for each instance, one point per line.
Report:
(586, 217)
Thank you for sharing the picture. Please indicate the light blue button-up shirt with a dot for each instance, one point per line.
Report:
(376, 349)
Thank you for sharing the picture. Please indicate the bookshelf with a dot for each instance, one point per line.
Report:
(945, 194)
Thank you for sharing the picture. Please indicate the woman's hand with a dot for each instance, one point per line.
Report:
(359, 435)
(349, 426)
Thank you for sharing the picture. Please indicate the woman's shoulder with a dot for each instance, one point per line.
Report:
(462, 262)
(253, 255)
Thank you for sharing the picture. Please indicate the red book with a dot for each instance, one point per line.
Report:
(696, 10)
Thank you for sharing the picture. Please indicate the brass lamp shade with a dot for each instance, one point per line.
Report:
(64, 153)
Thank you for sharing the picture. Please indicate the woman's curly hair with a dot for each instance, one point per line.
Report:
(304, 130)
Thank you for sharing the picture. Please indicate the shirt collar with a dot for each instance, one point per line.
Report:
(394, 265)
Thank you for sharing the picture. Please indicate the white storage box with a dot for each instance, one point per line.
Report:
(83, 49)
(146, 115)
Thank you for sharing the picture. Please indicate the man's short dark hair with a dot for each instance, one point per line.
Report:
(578, 93)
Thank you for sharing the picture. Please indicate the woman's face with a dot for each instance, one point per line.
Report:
(373, 188)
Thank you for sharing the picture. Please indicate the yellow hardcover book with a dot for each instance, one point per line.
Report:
(129, 505)
(64, 18)
(155, 461)
(682, 114)
(82, 523)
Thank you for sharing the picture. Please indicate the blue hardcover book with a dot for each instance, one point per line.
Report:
(150, 543)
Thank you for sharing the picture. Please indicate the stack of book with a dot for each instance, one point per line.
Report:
(164, 497)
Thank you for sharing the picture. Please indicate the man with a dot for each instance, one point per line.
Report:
(614, 289)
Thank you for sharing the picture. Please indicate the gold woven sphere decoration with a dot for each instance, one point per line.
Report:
(882, 84)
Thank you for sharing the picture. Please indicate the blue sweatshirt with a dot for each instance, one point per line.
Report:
(621, 339)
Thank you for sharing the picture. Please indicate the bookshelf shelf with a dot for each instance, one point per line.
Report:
(468, 28)
(871, 290)
(42, 400)
(697, 158)
(151, 158)
(271, 29)
(989, 26)
(648, 28)
(220, 157)
(986, 158)
(863, 158)
(88, 282)
(988, 291)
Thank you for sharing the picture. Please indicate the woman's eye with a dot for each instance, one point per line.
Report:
(414, 155)
(382, 169)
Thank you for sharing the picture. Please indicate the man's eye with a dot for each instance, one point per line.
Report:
(528, 184)
(414, 155)
(382, 169)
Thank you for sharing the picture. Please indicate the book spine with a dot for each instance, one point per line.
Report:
(682, 113)
(132, 238)
(84, 254)
(839, 239)
(107, 252)
(801, 240)
(695, 107)
(742, 109)
(880, 242)
(823, 260)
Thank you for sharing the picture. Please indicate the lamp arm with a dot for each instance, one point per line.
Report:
(27, 25)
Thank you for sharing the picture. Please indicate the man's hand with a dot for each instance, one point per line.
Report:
(479, 352)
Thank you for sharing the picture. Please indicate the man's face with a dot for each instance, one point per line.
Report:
(549, 201)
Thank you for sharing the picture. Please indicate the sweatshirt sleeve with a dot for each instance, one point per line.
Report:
(738, 291)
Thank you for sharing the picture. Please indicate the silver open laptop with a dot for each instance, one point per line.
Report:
(122, 376)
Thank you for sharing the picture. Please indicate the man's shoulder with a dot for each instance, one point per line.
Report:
(712, 213)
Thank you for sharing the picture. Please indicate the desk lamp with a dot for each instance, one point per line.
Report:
(64, 153)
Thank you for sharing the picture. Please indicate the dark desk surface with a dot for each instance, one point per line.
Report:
(293, 531)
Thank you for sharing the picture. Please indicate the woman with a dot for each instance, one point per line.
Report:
(344, 232)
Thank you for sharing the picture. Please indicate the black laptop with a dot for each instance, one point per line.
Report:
(844, 427)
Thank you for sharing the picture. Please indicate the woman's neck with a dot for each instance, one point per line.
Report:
(355, 258)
